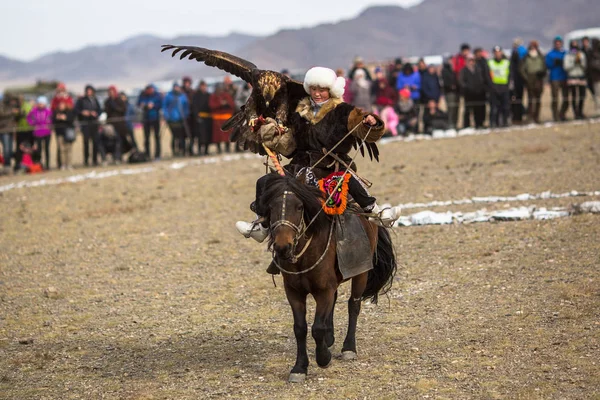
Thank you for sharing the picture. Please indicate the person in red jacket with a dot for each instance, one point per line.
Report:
(61, 96)
(460, 60)
(221, 105)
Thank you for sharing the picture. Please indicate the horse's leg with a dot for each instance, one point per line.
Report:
(298, 303)
(359, 284)
(324, 300)
(329, 336)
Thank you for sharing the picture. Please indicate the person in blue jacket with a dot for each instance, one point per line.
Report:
(176, 110)
(150, 102)
(430, 85)
(558, 79)
(411, 80)
(130, 119)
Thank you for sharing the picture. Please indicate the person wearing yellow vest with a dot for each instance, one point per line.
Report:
(499, 94)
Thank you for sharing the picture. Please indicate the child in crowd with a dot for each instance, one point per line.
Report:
(386, 112)
(407, 113)
(27, 164)
(434, 118)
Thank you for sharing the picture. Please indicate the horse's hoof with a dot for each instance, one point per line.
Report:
(348, 355)
(297, 378)
(327, 364)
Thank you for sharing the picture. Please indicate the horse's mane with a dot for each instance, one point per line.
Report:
(311, 197)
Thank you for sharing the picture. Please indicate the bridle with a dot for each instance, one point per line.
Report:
(300, 231)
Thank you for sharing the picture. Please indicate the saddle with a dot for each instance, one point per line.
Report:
(353, 247)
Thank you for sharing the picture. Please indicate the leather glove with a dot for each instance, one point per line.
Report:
(271, 135)
(268, 131)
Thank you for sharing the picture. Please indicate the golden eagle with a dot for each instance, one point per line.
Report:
(273, 93)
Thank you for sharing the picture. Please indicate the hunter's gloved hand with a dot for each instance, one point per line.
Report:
(276, 137)
(268, 131)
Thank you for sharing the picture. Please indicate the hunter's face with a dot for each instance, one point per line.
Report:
(319, 94)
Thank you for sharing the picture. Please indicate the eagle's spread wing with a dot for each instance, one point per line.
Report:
(242, 133)
(229, 63)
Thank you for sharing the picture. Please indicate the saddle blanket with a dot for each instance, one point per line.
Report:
(353, 247)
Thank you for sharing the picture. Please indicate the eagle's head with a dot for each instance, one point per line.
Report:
(269, 83)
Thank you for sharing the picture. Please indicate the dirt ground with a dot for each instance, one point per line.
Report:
(139, 287)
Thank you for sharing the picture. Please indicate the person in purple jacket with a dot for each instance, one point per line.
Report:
(40, 117)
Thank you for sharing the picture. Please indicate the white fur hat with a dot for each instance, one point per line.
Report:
(325, 78)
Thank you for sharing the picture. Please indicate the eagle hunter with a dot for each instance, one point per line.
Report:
(273, 96)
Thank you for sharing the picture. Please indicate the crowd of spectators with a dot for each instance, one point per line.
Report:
(490, 90)
(192, 116)
(407, 97)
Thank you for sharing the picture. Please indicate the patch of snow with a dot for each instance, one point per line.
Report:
(512, 214)
(431, 218)
(590, 207)
(543, 214)
(178, 165)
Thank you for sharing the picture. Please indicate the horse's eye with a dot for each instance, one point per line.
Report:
(299, 207)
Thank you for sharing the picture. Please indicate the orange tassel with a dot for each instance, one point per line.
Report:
(343, 194)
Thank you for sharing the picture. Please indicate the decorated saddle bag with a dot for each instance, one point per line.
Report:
(335, 189)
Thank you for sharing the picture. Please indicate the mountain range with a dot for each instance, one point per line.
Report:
(378, 33)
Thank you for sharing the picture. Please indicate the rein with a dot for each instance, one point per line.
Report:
(303, 228)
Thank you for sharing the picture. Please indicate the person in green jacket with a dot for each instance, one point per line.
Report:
(533, 70)
(24, 130)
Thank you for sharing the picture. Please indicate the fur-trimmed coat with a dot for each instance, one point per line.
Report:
(323, 130)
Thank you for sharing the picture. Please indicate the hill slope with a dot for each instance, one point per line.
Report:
(378, 33)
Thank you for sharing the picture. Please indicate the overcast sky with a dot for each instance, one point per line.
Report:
(36, 27)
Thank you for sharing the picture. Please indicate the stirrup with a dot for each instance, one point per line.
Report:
(253, 230)
(386, 216)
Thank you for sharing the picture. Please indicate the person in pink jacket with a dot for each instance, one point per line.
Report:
(386, 112)
(40, 118)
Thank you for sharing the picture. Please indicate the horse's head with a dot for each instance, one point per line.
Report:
(287, 224)
(292, 205)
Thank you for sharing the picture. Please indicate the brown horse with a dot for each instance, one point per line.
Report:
(302, 239)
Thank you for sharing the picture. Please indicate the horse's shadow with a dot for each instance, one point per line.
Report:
(147, 359)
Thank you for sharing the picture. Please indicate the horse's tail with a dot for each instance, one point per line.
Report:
(381, 276)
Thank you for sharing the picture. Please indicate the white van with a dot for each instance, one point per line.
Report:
(581, 33)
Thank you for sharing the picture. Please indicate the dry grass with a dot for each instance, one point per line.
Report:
(536, 149)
